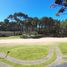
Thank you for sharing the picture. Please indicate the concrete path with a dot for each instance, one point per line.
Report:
(17, 61)
(58, 60)
(2, 64)
(62, 65)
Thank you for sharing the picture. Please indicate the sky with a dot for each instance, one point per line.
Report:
(34, 8)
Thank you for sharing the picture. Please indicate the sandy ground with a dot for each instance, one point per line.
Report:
(43, 41)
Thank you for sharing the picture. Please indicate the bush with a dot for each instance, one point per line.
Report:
(25, 36)
(31, 36)
(37, 36)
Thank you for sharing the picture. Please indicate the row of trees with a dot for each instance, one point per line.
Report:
(25, 24)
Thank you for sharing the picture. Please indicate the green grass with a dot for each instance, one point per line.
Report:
(63, 48)
(65, 58)
(53, 57)
(10, 37)
(26, 52)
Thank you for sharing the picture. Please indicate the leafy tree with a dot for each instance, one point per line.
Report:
(62, 3)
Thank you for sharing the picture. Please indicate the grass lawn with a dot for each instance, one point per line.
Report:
(65, 58)
(10, 37)
(26, 52)
(53, 57)
(63, 48)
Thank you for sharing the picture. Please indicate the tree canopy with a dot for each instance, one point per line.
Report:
(62, 4)
(25, 24)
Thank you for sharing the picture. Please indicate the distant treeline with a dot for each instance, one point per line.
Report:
(25, 24)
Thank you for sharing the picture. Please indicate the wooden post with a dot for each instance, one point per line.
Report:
(7, 53)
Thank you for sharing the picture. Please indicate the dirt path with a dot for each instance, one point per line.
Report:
(17, 61)
(58, 60)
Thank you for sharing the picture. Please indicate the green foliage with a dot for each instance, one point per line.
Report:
(64, 23)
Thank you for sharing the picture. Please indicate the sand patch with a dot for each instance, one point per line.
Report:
(42, 41)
